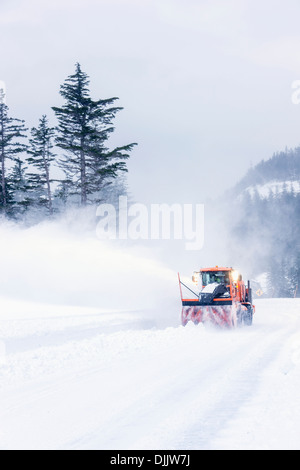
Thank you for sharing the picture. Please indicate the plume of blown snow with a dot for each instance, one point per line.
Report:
(63, 262)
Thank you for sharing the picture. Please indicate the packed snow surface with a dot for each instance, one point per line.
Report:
(88, 363)
(85, 379)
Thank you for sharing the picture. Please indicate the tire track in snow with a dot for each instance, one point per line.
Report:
(214, 396)
(239, 387)
(179, 388)
(181, 407)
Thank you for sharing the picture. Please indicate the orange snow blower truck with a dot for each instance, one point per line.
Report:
(223, 300)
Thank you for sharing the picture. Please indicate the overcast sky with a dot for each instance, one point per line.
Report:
(206, 85)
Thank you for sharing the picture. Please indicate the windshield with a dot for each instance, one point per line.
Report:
(219, 277)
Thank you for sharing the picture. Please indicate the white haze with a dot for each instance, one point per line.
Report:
(63, 262)
(93, 356)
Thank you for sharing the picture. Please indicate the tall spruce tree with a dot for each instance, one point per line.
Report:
(84, 128)
(41, 156)
(20, 189)
(11, 131)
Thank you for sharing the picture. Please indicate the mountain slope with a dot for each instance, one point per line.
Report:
(263, 210)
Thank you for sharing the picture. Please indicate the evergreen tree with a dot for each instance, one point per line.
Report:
(41, 156)
(84, 128)
(61, 194)
(11, 130)
(19, 187)
(295, 276)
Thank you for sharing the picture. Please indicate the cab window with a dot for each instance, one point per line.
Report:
(220, 277)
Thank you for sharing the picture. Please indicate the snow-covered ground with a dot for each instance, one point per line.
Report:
(82, 375)
(86, 379)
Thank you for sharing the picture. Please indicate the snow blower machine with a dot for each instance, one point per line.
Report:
(223, 300)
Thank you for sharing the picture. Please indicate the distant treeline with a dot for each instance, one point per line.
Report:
(77, 146)
(265, 231)
(283, 166)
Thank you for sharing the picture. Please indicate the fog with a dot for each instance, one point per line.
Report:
(207, 92)
(63, 262)
(206, 86)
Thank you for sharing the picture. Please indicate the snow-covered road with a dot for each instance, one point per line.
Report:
(79, 378)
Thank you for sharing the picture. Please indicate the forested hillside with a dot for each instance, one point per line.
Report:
(265, 229)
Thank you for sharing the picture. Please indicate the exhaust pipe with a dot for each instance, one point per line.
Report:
(249, 296)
